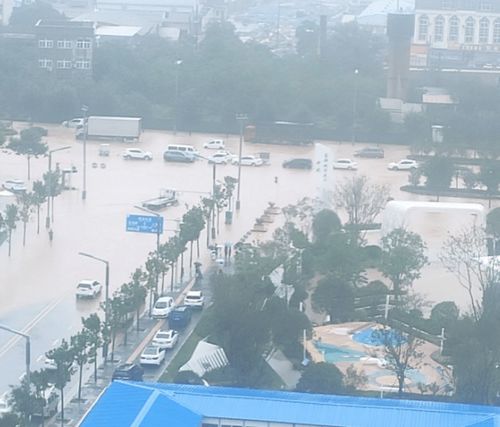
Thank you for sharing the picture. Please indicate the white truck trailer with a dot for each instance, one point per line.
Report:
(123, 128)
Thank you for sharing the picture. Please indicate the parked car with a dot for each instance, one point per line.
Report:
(178, 156)
(403, 165)
(162, 307)
(165, 339)
(88, 289)
(137, 153)
(73, 123)
(49, 364)
(370, 152)
(298, 164)
(220, 158)
(214, 144)
(152, 355)
(194, 299)
(128, 371)
(15, 185)
(249, 161)
(179, 318)
(345, 164)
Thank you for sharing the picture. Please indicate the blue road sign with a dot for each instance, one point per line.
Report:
(145, 224)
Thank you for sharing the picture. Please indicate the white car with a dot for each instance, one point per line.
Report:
(194, 299)
(73, 123)
(163, 307)
(49, 364)
(88, 289)
(152, 355)
(345, 164)
(137, 153)
(403, 165)
(249, 161)
(222, 157)
(5, 407)
(165, 339)
(15, 185)
(215, 144)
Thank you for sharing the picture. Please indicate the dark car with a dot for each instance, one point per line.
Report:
(179, 318)
(370, 152)
(177, 156)
(298, 164)
(128, 371)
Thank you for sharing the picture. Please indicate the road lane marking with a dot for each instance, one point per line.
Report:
(30, 325)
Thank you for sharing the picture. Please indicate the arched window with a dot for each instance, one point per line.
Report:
(423, 27)
(453, 29)
(484, 30)
(439, 29)
(469, 30)
(496, 31)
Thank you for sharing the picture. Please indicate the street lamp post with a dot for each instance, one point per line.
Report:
(49, 182)
(106, 303)
(242, 118)
(27, 351)
(177, 65)
(85, 132)
(354, 107)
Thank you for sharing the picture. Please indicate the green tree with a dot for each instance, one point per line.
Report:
(445, 314)
(29, 14)
(23, 401)
(26, 208)
(41, 382)
(439, 171)
(63, 357)
(80, 344)
(493, 222)
(136, 294)
(93, 329)
(489, 176)
(335, 297)
(10, 219)
(323, 378)
(28, 144)
(39, 196)
(403, 257)
(324, 223)
(9, 419)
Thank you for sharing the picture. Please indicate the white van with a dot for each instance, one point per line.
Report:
(186, 149)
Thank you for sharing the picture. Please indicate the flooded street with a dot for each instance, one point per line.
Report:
(37, 283)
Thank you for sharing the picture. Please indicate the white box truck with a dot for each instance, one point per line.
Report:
(123, 128)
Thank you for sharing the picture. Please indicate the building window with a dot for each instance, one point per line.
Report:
(64, 64)
(496, 31)
(45, 63)
(453, 29)
(423, 27)
(484, 30)
(64, 44)
(82, 65)
(485, 5)
(45, 44)
(469, 30)
(439, 29)
(446, 4)
(83, 44)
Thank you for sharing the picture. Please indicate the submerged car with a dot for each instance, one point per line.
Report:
(298, 164)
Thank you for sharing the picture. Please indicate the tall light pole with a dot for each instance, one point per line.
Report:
(27, 352)
(49, 182)
(242, 118)
(354, 107)
(106, 303)
(177, 65)
(85, 109)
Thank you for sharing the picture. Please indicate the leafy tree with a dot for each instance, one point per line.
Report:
(403, 257)
(9, 420)
(41, 382)
(23, 401)
(335, 297)
(325, 222)
(445, 314)
(92, 327)
(10, 219)
(63, 357)
(39, 196)
(324, 378)
(354, 379)
(136, 294)
(361, 200)
(400, 351)
(26, 202)
(493, 222)
(29, 14)
(489, 176)
(439, 171)
(28, 144)
(80, 347)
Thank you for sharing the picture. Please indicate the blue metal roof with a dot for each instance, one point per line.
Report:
(145, 405)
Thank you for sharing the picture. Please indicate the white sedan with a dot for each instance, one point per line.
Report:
(137, 153)
(249, 161)
(403, 165)
(165, 339)
(152, 355)
(215, 144)
(15, 185)
(73, 123)
(220, 158)
(345, 164)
